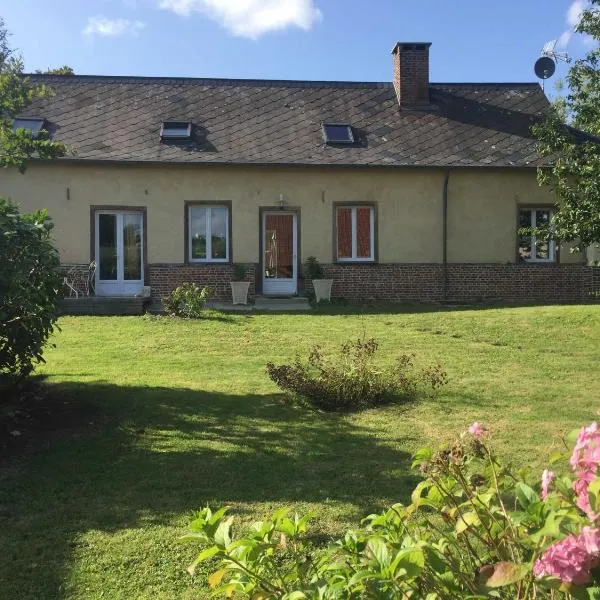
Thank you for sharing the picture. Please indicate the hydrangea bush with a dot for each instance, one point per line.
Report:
(474, 529)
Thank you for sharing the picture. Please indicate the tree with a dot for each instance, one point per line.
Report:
(30, 286)
(30, 282)
(568, 138)
(17, 93)
(64, 70)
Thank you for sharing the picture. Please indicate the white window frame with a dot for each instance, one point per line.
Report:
(551, 243)
(208, 208)
(353, 212)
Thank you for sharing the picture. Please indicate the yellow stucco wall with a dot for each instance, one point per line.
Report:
(482, 206)
(482, 214)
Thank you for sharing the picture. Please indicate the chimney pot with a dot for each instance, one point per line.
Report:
(411, 73)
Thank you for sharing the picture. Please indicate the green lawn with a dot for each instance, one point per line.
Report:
(180, 413)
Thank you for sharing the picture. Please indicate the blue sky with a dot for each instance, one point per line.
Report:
(473, 40)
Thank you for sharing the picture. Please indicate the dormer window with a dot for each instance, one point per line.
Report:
(175, 130)
(337, 133)
(33, 125)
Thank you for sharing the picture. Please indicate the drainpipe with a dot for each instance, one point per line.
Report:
(445, 234)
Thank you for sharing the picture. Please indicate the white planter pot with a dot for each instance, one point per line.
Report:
(239, 291)
(322, 289)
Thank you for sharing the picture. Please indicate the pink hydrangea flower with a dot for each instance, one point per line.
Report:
(580, 487)
(586, 453)
(547, 477)
(584, 461)
(571, 559)
(591, 540)
(477, 430)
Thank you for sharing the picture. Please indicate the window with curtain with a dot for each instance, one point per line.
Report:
(355, 230)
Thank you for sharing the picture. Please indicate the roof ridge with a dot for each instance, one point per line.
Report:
(255, 82)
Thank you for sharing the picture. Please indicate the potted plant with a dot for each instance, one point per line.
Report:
(314, 271)
(239, 287)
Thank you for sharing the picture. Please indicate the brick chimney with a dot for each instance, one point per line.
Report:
(411, 73)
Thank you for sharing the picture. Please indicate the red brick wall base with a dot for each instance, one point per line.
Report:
(393, 282)
(464, 282)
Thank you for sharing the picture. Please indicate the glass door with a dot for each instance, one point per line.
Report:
(279, 231)
(119, 253)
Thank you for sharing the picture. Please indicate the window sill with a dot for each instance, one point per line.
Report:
(208, 262)
(355, 261)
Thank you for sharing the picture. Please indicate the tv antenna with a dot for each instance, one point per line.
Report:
(545, 65)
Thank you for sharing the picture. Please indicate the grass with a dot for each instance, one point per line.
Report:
(179, 413)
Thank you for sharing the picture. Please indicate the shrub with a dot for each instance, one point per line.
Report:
(187, 301)
(351, 381)
(239, 272)
(313, 268)
(474, 529)
(30, 289)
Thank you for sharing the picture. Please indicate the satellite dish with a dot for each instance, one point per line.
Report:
(544, 67)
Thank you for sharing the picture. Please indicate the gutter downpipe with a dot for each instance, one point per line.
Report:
(445, 235)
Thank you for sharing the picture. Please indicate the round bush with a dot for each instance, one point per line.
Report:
(30, 286)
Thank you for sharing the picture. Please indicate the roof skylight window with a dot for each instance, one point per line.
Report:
(33, 125)
(337, 133)
(175, 130)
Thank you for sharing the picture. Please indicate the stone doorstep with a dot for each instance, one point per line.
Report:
(275, 304)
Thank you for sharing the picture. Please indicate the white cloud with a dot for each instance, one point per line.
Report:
(250, 18)
(574, 12)
(112, 27)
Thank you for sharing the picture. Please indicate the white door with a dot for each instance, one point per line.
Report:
(280, 249)
(119, 253)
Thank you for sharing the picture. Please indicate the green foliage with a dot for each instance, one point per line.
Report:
(64, 70)
(351, 381)
(239, 272)
(16, 95)
(574, 158)
(187, 301)
(30, 286)
(313, 269)
(474, 529)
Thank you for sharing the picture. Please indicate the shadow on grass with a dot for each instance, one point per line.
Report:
(149, 455)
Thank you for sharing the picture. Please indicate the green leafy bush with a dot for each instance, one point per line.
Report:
(239, 272)
(313, 268)
(187, 301)
(30, 286)
(474, 529)
(351, 381)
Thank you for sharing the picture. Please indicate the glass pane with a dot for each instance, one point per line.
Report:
(132, 247)
(542, 217)
(279, 246)
(107, 245)
(344, 233)
(542, 248)
(198, 232)
(219, 232)
(338, 133)
(524, 218)
(524, 240)
(363, 232)
(525, 247)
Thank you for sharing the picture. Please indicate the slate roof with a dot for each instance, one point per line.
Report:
(279, 122)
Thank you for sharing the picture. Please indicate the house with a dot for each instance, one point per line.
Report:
(403, 190)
